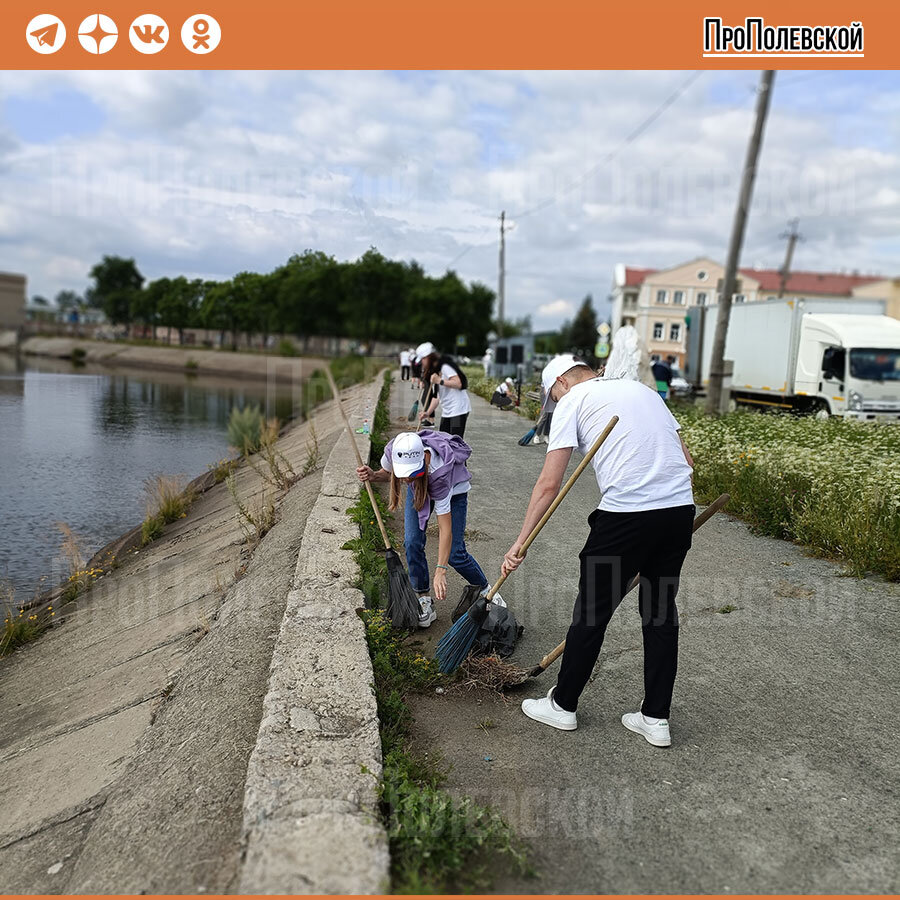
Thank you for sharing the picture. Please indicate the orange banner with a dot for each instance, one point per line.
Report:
(463, 34)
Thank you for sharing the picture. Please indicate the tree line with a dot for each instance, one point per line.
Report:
(369, 299)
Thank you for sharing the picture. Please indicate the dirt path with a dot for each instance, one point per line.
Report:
(783, 774)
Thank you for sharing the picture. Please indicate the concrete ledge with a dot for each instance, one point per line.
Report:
(311, 823)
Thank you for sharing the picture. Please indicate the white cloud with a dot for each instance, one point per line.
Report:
(214, 172)
(558, 309)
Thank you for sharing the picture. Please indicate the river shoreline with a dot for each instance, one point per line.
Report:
(193, 360)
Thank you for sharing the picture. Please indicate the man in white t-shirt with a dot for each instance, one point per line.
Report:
(404, 365)
(643, 524)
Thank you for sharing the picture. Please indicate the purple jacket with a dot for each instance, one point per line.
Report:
(454, 452)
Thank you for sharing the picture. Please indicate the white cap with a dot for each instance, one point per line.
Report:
(509, 380)
(407, 455)
(557, 366)
(424, 350)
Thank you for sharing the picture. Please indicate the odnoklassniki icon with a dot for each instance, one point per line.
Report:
(201, 34)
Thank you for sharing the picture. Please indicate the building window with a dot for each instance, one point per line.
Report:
(659, 329)
(701, 275)
(662, 297)
(739, 298)
(675, 331)
(678, 298)
(701, 298)
(630, 301)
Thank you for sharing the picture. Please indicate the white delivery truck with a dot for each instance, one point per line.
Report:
(824, 357)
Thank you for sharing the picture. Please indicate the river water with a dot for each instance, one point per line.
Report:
(77, 444)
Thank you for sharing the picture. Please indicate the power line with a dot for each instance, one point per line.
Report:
(629, 139)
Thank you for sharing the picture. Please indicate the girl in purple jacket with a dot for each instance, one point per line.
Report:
(433, 465)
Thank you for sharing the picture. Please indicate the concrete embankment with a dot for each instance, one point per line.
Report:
(126, 731)
(194, 359)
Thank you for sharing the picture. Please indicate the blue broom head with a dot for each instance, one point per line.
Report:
(455, 645)
(403, 604)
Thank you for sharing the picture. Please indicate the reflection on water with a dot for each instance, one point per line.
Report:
(76, 445)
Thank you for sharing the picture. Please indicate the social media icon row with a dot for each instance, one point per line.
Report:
(148, 33)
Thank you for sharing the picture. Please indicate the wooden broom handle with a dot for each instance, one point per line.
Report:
(559, 497)
(368, 484)
(701, 520)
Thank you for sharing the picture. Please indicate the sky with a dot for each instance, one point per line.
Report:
(207, 174)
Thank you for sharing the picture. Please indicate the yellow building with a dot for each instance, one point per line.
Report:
(657, 302)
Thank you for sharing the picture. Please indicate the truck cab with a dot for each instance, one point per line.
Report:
(849, 366)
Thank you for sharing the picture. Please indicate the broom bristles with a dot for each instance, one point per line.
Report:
(455, 645)
(403, 604)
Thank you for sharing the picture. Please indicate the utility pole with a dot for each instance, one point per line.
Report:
(501, 285)
(716, 367)
(792, 237)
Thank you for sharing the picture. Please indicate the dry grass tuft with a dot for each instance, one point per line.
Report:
(489, 673)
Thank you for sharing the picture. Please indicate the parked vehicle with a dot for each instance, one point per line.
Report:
(822, 357)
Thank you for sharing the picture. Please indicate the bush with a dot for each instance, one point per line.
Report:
(245, 426)
(832, 485)
(286, 348)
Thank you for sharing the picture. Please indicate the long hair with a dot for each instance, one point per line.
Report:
(445, 360)
(419, 488)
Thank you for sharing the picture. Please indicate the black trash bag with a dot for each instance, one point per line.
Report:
(500, 630)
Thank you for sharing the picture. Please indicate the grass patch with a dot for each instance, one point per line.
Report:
(191, 365)
(165, 500)
(245, 426)
(286, 348)
(313, 453)
(381, 422)
(256, 516)
(20, 625)
(222, 469)
(439, 844)
(277, 470)
(484, 387)
(832, 486)
(347, 371)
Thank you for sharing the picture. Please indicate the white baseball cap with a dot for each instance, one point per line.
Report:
(408, 455)
(424, 350)
(509, 380)
(557, 366)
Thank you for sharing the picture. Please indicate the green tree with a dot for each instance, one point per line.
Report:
(67, 300)
(116, 282)
(582, 334)
(178, 303)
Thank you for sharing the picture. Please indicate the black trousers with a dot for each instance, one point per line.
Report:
(454, 424)
(653, 543)
(404, 373)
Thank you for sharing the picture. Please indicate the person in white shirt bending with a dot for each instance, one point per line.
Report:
(643, 524)
(501, 396)
(451, 382)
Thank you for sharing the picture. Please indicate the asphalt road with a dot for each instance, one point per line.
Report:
(783, 774)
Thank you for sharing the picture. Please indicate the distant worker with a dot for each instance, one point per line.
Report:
(662, 372)
(501, 397)
(451, 382)
(404, 365)
(486, 361)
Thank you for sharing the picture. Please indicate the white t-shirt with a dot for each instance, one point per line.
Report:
(441, 507)
(454, 402)
(503, 388)
(404, 357)
(641, 465)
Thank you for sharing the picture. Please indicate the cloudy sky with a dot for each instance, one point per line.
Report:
(210, 173)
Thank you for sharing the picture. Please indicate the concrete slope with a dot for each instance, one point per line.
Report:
(125, 732)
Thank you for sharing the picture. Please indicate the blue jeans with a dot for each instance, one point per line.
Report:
(460, 558)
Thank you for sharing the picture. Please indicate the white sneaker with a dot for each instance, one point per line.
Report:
(545, 710)
(497, 600)
(655, 731)
(426, 612)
